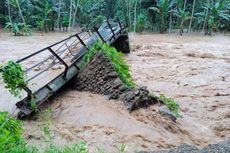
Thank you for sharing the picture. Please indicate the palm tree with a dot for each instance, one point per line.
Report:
(183, 16)
(193, 9)
(217, 15)
(163, 7)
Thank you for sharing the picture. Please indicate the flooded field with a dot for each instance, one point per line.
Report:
(193, 70)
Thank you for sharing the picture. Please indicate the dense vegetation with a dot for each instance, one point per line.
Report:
(162, 15)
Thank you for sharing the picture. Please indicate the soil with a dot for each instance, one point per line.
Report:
(194, 70)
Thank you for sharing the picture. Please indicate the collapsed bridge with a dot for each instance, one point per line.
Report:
(56, 64)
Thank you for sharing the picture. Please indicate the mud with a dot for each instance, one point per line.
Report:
(194, 70)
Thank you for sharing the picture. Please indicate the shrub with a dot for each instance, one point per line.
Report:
(14, 77)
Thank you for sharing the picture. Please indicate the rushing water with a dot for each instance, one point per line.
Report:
(194, 70)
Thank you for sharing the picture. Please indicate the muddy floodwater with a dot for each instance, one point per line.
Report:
(193, 70)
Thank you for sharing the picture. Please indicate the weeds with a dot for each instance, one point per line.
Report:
(171, 104)
(116, 58)
(11, 136)
(121, 148)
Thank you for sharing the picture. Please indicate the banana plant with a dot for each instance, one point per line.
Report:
(218, 16)
(45, 14)
(163, 8)
(17, 28)
(183, 16)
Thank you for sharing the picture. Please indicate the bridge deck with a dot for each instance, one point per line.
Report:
(60, 62)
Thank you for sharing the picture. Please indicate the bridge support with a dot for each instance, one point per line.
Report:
(122, 43)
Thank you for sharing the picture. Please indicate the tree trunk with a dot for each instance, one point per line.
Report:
(130, 21)
(205, 19)
(193, 9)
(135, 16)
(185, 2)
(9, 11)
(70, 15)
(75, 13)
(20, 12)
(170, 21)
(59, 15)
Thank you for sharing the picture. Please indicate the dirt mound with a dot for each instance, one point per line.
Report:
(100, 77)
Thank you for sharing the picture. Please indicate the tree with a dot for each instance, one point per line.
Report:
(163, 7)
(193, 9)
(183, 16)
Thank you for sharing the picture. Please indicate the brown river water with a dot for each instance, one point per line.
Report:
(193, 70)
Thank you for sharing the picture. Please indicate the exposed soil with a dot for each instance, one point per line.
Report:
(194, 70)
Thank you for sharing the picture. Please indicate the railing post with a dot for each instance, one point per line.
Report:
(126, 21)
(119, 24)
(99, 34)
(61, 60)
(82, 42)
(111, 29)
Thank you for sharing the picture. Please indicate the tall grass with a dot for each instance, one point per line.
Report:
(116, 58)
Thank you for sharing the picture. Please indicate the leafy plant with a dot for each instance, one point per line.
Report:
(116, 59)
(171, 104)
(100, 149)
(11, 136)
(163, 8)
(121, 148)
(14, 27)
(141, 19)
(80, 147)
(14, 77)
(183, 16)
(18, 28)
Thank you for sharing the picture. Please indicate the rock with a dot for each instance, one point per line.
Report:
(113, 75)
(167, 113)
(222, 147)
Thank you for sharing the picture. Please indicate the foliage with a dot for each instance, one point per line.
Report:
(18, 28)
(50, 15)
(141, 19)
(171, 104)
(80, 147)
(122, 148)
(116, 59)
(163, 7)
(217, 15)
(183, 16)
(11, 136)
(14, 77)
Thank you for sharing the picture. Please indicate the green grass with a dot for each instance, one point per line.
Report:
(11, 140)
(171, 104)
(116, 58)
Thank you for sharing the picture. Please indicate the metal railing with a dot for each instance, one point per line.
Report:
(67, 51)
